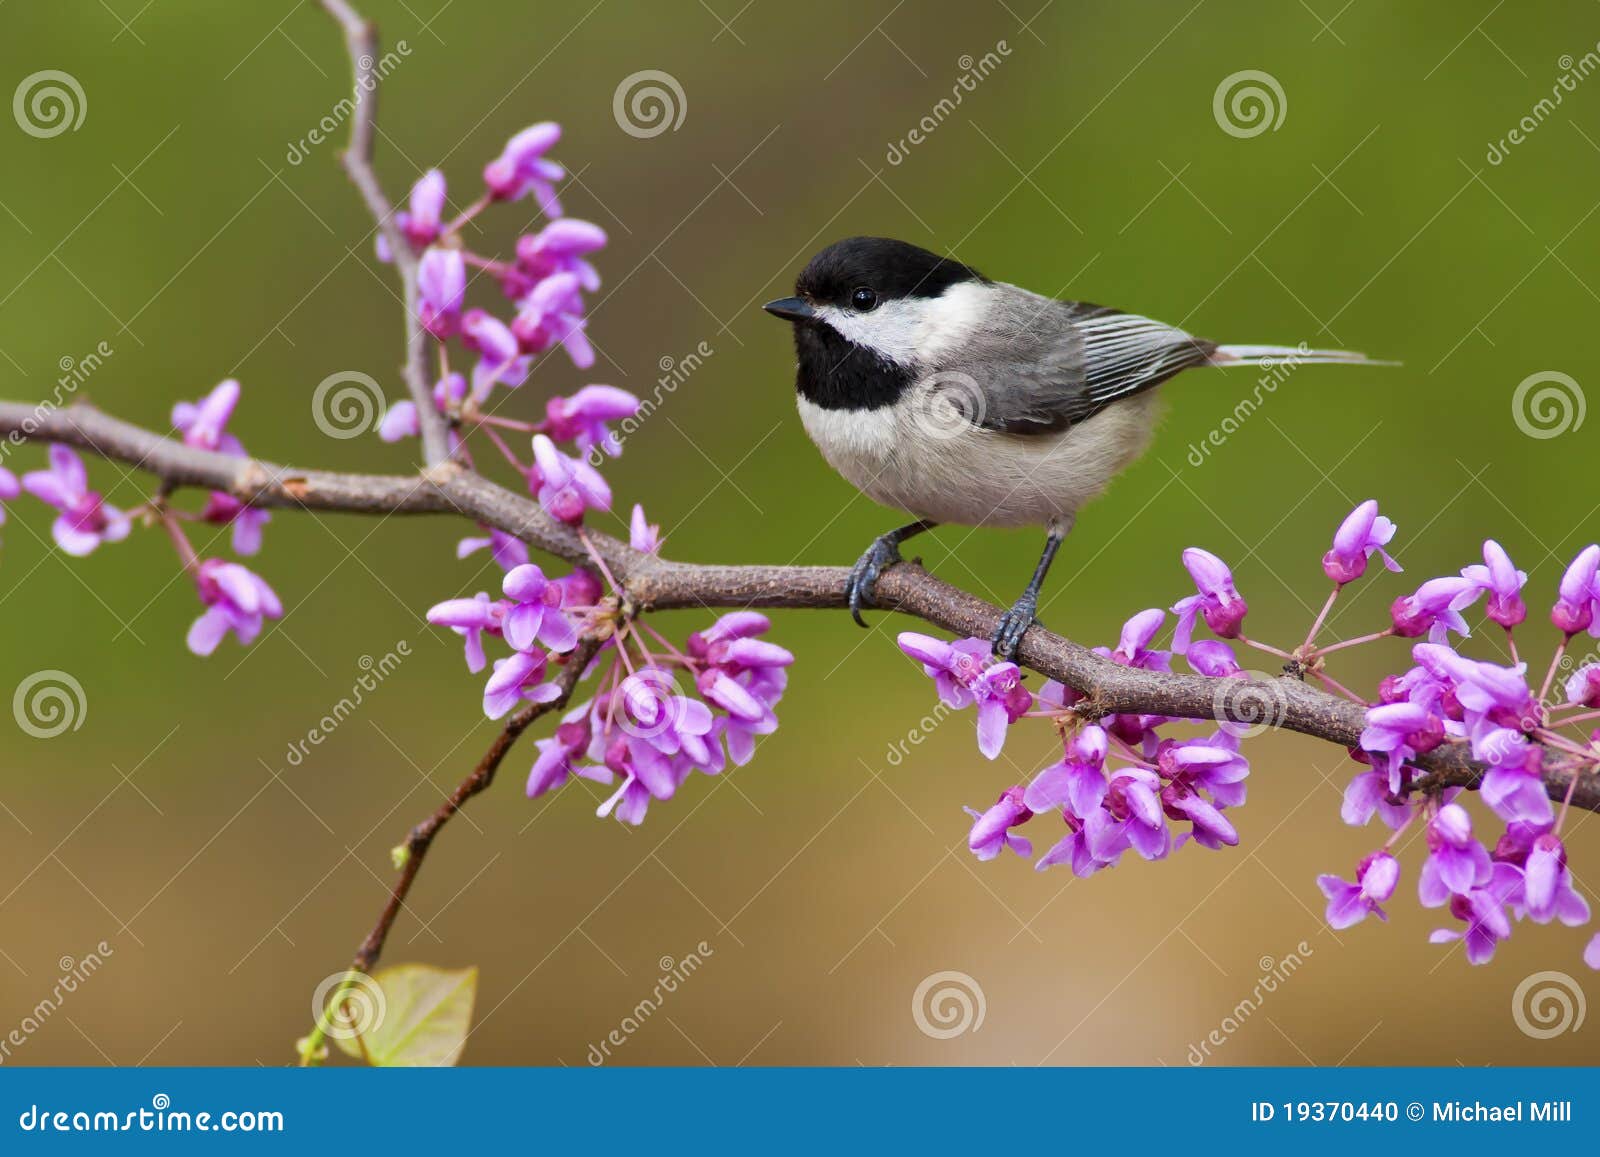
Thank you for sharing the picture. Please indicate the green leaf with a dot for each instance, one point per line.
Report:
(421, 1018)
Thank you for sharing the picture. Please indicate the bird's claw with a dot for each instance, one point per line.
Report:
(884, 552)
(1013, 625)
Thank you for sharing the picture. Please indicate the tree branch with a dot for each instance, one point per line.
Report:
(420, 838)
(653, 583)
(361, 38)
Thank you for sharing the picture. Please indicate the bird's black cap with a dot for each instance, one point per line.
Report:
(892, 269)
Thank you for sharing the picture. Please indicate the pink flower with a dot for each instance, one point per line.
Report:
(559, 756)
(566, 487)
(582, 418)
(560, 247)
(1078, 782)
(535, 612)
(471, 619)
(236, 600)
(991, 830)
(1362, 532)
(1547, 885)
(420, 220)
(1457, 863)
(86, 520)
(1503, 583)
(643, 535)
(1482, 911)
(1575, 609)
(224, 509)
(521, 168)
(500, 359)
(9, 488)
(552, 314)
(203, 424)
(442, 290)
(1583, 688)
(1435, 609)
(507, 550)
(1218, 602)
(1349, 904)
(517, 678)
(961, 679)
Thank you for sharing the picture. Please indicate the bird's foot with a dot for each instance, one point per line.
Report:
(884, 552)
(1014, 624)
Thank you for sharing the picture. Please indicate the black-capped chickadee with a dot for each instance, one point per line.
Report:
(959, 399)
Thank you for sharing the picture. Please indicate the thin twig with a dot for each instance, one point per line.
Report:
(361, 38)
(420, 838)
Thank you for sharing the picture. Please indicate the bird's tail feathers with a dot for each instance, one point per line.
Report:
(1288, 355)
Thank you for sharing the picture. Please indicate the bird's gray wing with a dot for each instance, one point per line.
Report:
(1048, 364)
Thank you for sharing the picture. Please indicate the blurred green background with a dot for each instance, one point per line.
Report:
(828, 879)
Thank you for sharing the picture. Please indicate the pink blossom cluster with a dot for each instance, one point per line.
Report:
(1122, 785)
(234, 599)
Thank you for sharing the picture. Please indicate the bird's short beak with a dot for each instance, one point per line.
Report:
(791, 309)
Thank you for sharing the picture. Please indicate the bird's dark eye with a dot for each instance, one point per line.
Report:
(863, 299)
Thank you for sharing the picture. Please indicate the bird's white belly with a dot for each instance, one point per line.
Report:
(955, 472)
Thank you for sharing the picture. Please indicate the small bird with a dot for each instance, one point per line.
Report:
(959, 399)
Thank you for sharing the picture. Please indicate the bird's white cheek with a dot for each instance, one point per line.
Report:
(914, 330)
